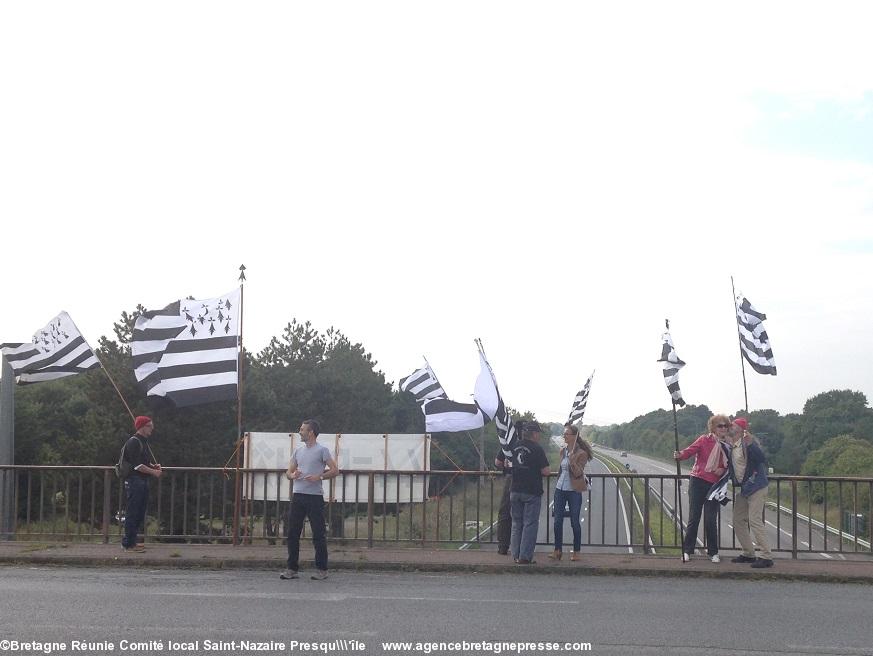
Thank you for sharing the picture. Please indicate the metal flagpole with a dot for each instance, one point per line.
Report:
(678, 485)
(239, 436)
(740, 341)
(678, 474)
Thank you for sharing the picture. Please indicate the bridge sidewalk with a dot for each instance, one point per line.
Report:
(856, 568)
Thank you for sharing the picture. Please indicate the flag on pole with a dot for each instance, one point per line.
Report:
(754, 341)
(672, 365)
(580, 402)
(423, 384)
(57, 351)
(188, 352)
(442, 415)
(507, 431)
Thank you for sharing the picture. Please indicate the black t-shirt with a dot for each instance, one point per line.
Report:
(136, 452)
(528, 459)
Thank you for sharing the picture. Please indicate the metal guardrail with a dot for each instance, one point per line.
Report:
(628, 511)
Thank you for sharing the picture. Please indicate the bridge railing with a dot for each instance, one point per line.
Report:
(199, 504)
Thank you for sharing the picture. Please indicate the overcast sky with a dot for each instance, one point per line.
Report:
(554, 178)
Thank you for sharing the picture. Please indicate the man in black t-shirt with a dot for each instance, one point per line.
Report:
(529, 465)
(136, 485)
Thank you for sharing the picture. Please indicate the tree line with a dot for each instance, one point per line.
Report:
(305, 373)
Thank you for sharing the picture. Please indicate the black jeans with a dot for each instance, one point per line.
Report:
(302, 506)
(136, 488)
(697, 491)
(504, 518)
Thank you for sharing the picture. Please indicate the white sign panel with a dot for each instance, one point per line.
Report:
(362, 452)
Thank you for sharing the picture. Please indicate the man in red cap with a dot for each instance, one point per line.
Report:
(136, 486)
(748, 466)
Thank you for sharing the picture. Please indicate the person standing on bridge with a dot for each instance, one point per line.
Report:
(136, 485)
(749, 472)
(311, 463)
(575, 454)
(504, 514)
(709, 465)
(529, 465)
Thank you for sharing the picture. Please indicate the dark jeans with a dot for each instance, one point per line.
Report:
(136, 488)
(574, 498)
(302, 506)
(504, 518)
(697, 491)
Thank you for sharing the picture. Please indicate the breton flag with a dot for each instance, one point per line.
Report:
(188, 352)
(57, 351)
(442, 415)
(754, 342)
(507, 431)
(718, 491)
(672, 365)
(579, 403)
(423, 384)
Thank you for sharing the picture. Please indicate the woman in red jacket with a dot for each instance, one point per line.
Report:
(709, 465)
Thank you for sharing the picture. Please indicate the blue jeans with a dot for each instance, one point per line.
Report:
(525, 510)
(574, 498)
(303, 506)
(136, 488)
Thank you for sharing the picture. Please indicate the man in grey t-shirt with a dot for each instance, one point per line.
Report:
(311, 463)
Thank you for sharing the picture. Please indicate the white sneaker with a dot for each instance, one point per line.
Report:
(686, 557)
(289, 574)
(716, 558)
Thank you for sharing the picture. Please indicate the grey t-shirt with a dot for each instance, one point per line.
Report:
(310, 460)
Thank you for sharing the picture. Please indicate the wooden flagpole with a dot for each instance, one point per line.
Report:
(239, 404)
(740, 342)
(117, 391)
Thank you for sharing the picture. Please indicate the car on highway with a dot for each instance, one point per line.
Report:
(624, 454)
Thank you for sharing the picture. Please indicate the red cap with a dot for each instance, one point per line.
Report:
(742, 423)
(141, 421)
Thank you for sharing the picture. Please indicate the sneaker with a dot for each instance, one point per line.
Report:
(319, 575)
(525, 561)
(715, 558)
(135, 549)
(503, 552)
(289, 574)
(761, 563)
(742, 558)
(686, 557)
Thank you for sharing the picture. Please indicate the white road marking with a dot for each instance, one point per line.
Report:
(334, 597)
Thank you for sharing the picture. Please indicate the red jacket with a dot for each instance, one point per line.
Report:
(701, 448)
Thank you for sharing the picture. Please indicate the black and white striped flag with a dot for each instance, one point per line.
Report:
(423, 384)
(672, 365)
(442, 415)
(507, 431)
(188, 352)
(754, 342)
(57, 351)
(579, 403)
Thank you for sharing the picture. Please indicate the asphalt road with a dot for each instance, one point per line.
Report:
(615, 615)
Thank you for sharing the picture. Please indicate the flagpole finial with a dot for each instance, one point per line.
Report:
(242, 272)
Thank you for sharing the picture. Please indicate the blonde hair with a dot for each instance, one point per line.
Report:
(716, 419)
